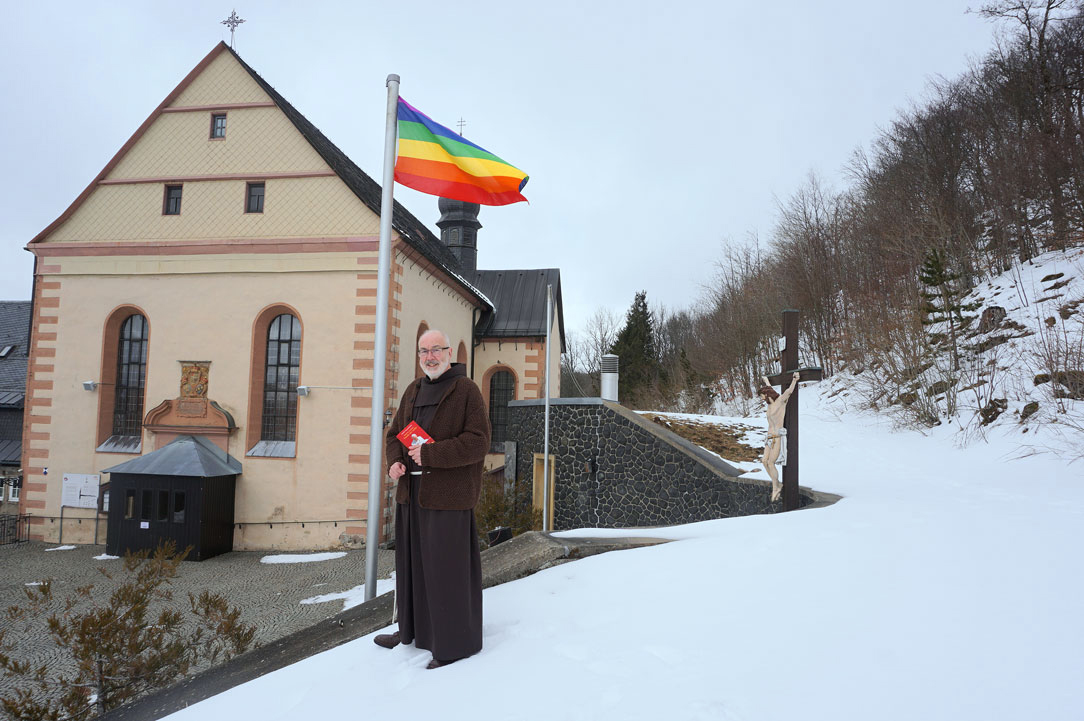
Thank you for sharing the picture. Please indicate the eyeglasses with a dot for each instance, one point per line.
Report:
(436, 350)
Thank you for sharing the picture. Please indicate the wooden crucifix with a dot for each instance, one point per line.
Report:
(788, 361)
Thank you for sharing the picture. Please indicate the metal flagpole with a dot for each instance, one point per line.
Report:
(546, 490)
(376, 426)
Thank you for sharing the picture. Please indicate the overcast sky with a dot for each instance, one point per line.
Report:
(654, 132)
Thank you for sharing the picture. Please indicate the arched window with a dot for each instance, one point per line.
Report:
(280, 379)
(276, 371)
(125, 342)
(131, 377)
(502, 389)
(423, 328)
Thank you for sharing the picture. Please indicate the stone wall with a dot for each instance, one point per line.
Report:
(615, 469)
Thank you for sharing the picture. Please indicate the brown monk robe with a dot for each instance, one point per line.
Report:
(438, 567)
(440, 591)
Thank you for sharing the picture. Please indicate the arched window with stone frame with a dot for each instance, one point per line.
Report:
(125, 343)
(499, 388)
(276, 372)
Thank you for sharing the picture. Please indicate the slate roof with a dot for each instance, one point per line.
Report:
(11, 453)
(368, 190)
(184, 456)
(519, 297)
(14, 331)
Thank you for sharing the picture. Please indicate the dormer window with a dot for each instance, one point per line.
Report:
(218, 125)
(6, 350)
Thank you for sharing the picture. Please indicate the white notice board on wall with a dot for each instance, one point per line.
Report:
(80, 490)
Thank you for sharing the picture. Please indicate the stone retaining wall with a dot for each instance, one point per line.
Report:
(615, 469)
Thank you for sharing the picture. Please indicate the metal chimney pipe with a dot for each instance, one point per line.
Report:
(609, 377)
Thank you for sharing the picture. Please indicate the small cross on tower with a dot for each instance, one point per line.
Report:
(461, 122)
(232, 22)
(788, 362)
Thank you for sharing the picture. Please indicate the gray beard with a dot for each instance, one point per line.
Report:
(435, 373)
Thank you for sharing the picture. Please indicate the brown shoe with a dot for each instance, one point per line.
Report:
(387, 640)
(437, 664)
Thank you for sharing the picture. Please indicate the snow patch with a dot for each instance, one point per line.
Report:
(303, 557)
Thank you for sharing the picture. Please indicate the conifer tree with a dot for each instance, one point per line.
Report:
(943, 299)
(635, 345)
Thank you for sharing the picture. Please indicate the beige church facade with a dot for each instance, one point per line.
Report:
(226, 256)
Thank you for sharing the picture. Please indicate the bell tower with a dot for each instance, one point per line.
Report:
(459, 230)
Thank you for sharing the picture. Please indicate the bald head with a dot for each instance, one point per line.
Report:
(434, 353)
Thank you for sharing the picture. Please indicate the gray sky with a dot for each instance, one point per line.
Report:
(654, 133)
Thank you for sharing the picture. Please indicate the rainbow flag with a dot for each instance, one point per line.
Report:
(435, 160)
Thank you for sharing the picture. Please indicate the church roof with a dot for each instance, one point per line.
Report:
(192, 456)
(519, 300)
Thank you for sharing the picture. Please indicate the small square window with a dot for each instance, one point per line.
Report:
(218, 125)
(254, 198)
(172, 204)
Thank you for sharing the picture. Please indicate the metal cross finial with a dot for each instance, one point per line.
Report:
(232, 22)
(461, 122)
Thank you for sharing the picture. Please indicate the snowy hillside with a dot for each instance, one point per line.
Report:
(1020, 364)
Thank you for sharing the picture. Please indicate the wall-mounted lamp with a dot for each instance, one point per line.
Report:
(302, 391)
(387, 417)
(90, 385)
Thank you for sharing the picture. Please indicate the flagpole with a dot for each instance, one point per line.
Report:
(546, 490)
(376, 426)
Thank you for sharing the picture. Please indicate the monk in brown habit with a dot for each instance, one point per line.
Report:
(438, 571)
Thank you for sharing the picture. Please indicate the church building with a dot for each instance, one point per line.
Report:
(215, 285)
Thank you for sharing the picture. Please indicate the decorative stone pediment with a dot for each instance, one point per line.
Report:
(192, 412)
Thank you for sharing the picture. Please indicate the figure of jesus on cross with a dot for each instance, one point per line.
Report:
(782, 442)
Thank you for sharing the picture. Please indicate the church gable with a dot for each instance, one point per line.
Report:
(222, 81)
(255, 143)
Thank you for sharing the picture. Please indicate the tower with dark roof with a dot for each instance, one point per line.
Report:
(459, 230)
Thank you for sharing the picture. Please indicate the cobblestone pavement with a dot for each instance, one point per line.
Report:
(268, 594)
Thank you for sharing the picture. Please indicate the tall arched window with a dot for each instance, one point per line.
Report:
(502, 389)
(280, 379)
(131, 377)
(125, 341)
(276, 370)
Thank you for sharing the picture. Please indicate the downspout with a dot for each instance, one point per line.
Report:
(474, 343)
(26, 395)
(33, 294)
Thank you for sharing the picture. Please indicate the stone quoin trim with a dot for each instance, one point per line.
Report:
(536, 368)
(37, 416)
(356, 501)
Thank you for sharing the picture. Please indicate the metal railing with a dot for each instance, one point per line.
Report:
(14, 529)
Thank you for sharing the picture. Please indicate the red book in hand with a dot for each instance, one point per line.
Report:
(413, 435)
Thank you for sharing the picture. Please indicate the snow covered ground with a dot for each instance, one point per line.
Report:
(947, 584)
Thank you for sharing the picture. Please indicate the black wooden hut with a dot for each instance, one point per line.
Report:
(182, 492)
